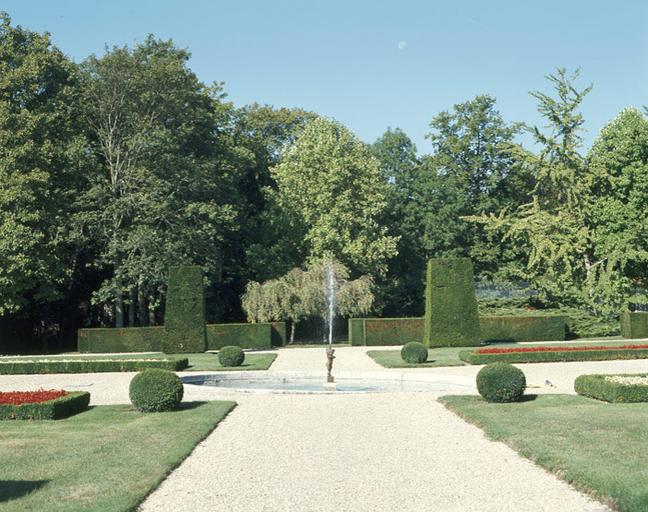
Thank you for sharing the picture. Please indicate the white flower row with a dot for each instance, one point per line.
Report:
(628, 380)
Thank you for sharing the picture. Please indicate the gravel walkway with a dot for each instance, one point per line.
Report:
(360, 452)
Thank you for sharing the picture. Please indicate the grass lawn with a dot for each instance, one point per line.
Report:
(106, 459)
(600, 448)
(204, 361)
(449, 356)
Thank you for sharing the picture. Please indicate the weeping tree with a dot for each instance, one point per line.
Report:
(302, 294)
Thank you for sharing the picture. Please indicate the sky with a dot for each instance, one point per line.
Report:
(374, 64)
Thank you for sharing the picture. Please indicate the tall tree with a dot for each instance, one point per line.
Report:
(165, 190)
(42, 156)
(554, 224)
(618, 162)
(332, 199)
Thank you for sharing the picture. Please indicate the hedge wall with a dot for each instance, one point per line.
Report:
(184, 316)
(384, 331)
(128, 339)
(60, 365)
(278, 334)
(598, 387)
(67, 405)
(522, 328)
(257, 336)
(634, 324)
(473, 357)
(451, 318)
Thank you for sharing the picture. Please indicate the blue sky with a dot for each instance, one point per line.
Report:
(373, 64)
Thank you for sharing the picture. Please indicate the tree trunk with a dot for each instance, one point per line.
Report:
(119, 309)
(131, 307)
(292, 332)
(141, 302)
(151, 313)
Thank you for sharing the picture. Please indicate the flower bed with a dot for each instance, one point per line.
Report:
(42, 404)
(553, 354)
(614, 388)
(30, 366)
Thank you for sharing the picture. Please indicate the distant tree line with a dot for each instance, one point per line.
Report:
(115, 168)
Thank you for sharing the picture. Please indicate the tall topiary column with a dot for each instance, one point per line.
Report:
(184, 317)
(451, 318)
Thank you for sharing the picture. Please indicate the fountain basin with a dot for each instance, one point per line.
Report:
(309, 384)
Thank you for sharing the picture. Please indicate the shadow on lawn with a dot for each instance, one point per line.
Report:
(190, 405)
(13, 489)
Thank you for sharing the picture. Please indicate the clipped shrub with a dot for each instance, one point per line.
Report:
(384, 331)
(634, 324)
(184, 316)
(78, 365)
(604, 387)
(155, 390)
(522, 328)
(231, 356)
(127, 339)
(451, 318)
(71, 403)
(501, 382)
(414, 352)
(256, 336)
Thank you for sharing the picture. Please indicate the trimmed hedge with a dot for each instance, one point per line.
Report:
(184, 316)
(231, 356)
(26, 367)
(500, 383)
(472, 357)
(634, 324)
(72, 403)
(451, 318)
(522, 328)
(155, 390)
(414, 352)
(598, 387)
(384, 331)
(128, 339)
(278, 335)
(258, 336)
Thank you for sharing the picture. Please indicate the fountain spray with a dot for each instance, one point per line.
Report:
(330, 274)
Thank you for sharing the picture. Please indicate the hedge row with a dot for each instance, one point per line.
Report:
(634, 324)
(184, 313)
(473, 357)
(256, 336)
(598, 387)
(384, 331)
(451, 317)
(67, 405)
(398, 331)
(522, 328)
(19, 367)
(128, 339)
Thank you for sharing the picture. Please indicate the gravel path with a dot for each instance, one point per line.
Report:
(360, 452)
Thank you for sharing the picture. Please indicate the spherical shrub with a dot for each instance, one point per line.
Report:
(155, 390)
(231, 356)
(501, 382)
(414, 352)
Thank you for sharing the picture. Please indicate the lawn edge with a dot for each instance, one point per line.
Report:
(408, 365)
(608, 501)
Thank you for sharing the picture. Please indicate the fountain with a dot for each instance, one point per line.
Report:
(330, 381)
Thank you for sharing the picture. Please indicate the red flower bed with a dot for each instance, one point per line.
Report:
(30, 397)
(554, 349)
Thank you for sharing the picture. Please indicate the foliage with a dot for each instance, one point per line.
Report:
(384, 331)
(501, 382)
(414, 352)
(601, 388)
(634, 324)
(156, 390)
(522, 328)
(231, 356)
(42, 166)
(451, 317)
(71, 403)
(302, 294)
(332, 197)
